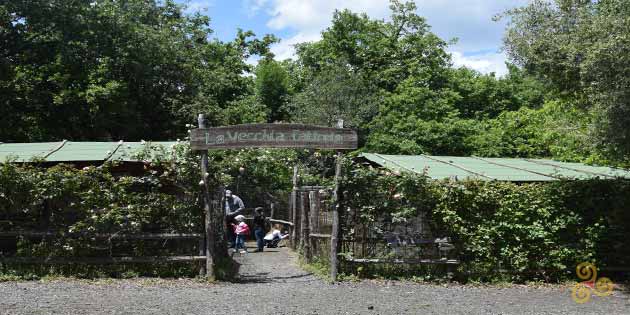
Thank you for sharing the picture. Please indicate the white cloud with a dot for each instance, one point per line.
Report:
(286, 50)
(254, 6)
(314, 15)
(468, 20)
(193, 6)
(484, 63)
(308, 18)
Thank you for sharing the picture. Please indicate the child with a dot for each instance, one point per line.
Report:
(241, 230)
(274, 236)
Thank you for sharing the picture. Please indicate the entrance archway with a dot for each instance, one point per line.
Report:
(203, 139)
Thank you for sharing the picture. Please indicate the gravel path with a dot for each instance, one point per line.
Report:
(271, 283)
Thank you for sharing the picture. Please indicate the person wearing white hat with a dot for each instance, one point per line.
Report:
(232, 206)
(241, 230)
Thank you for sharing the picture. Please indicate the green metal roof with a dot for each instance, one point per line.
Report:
(436, 167)
(501, 169)
(68, 151)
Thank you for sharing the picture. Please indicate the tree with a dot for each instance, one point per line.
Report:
(416, 119)
(337, 93)
(580, 48)
(105, 70)
(383, 52)
(486, 96)
(272, 88)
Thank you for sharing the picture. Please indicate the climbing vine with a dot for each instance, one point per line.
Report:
(503, 230)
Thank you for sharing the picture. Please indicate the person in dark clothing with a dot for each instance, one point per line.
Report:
(232, 206)
(260, 228)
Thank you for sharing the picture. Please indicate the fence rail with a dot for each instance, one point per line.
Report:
(108, 259)
(317, 235)
(404, 261)
(141, 236)
(98, 260)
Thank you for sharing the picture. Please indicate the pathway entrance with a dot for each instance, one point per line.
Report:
(274, 265)
(300, 136)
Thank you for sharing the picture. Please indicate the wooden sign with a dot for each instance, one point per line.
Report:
(273, 136)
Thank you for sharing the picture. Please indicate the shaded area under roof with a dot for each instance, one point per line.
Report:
(68, 151)
(501, 169)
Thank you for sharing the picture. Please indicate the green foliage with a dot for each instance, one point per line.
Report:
(106, 70)
(486, 96)
(247, 110)
(318, 267)
(385, 52)
(163, 196)
(393, 81)
(336, 93)
(580, 49)
(557, 130)
(508, 231)
(272, 88)
(417, 119)
(515, 134)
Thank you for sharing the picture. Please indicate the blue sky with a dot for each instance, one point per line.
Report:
(295, 21)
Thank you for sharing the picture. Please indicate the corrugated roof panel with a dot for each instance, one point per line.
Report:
(418, 164)
(436, 167)
(502, 169)
(127, 151)
(546, 169)
(595, 171)
(377, 158)
(83, 151)
(25, 152)
(80, 151)
(443, 167)
(498, 171)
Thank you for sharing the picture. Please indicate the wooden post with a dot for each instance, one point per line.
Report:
(313, 197)
(272, 209)
(305, 237)
(313, 223)
(334, 234)
(294, 208)
(206, 207)
(202, 252)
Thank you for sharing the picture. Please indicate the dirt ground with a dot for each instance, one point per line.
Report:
(272, 283)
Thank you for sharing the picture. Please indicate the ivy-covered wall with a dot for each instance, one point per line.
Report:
(161, 195)
(502, 230)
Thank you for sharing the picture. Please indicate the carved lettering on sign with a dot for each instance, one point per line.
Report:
(273, 136)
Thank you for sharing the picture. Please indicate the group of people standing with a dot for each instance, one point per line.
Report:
(237, 230)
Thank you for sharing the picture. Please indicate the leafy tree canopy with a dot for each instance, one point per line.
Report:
(102, 70)
(580, 48)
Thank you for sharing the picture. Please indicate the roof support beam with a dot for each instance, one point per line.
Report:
(390, 161)
(56, 149)
(458, 166)
(120, 143)
(514, 167)
(568, 168)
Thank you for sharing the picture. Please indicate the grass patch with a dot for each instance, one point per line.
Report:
(317, 266)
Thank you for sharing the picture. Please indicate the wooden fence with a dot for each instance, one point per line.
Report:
(380, 243)
(106, 238)
(313, 222)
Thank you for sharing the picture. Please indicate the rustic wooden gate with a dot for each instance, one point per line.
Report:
(314, 219)
(269, 136)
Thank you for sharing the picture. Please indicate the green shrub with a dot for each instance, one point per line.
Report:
(163, 196)
(503, 230)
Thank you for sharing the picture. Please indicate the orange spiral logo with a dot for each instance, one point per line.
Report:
(581, 292)
(586, 271)
(604, 287)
